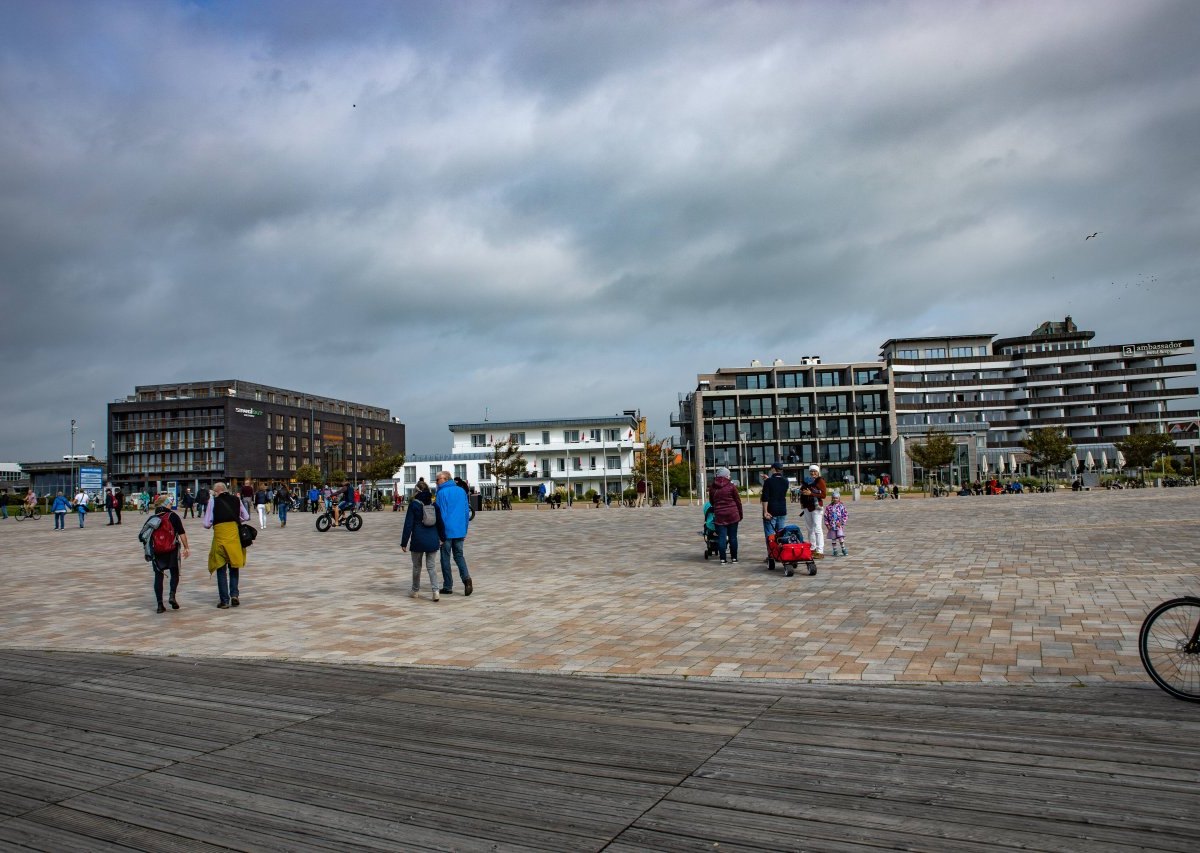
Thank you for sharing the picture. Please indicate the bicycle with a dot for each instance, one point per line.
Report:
(1169, 645)
(350, 519)
(27, 512)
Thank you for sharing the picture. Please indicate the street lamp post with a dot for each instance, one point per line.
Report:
(745, 437)
(72, 486)
(692, 473)
(663, 448)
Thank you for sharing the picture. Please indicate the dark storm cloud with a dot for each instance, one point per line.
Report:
(572, 208)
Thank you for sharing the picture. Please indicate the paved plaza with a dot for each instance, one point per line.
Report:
(1037, 588)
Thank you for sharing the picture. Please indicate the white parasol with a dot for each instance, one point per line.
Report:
(983, 464)
(1120, 459)
(1000, 464)
(1104, 460)
(1012, 462)
(1088, 461)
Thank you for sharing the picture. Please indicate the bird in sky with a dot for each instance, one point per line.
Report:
(1090, 236)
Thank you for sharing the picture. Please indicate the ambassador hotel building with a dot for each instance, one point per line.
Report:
(855, 419)
(194, 434)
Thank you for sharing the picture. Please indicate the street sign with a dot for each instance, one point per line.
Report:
(91, 479)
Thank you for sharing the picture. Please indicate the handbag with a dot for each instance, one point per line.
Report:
(247, 534)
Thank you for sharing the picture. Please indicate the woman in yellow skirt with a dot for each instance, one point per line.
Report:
(224, 514)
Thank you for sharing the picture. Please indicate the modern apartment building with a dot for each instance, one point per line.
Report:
(744, 418)
(166, 437)
(577, 454)
(987, 392)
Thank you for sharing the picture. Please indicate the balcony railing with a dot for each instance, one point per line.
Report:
(125, 425)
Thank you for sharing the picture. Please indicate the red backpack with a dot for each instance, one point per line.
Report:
(162, 540)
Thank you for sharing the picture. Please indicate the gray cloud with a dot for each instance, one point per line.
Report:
(546, 209)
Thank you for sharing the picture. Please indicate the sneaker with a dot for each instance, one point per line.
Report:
(435, 595)
(412, 593)
(224, 605)
(817, 555)
(843, 552)
(468, 587)
(722, 562)
(446, 591)
(734, 560)
(234, 601)
(834, 553)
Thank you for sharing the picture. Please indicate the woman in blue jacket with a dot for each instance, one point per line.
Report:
(61, 505)
(425, 539)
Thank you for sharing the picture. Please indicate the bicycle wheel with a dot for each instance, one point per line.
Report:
(324, 522)
(1169, 646)
(354, 522)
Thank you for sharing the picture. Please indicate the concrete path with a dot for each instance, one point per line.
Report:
(1038, 588)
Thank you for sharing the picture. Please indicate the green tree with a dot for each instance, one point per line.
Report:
(679, 476)
(308, 474)
(649, 463)
(337, 476)
(1048, 447)
(383, 465)
(1142, 448)
(932, 454)
(507, 462)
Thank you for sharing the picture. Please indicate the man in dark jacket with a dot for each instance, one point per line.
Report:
(774, 500)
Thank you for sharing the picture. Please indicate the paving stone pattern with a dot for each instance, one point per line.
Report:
(1037, 588)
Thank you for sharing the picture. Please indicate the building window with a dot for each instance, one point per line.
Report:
(612, 435)
(758, 406)
(791, 379)
(613, 463)
(410, 473)
(570, 436)
(866, 377)
(752, 381)
(316, 426)
(545, 436)
(577, 463)
(268, 442)
(478, 439)
(721, 407)
(434, 470)
(827, 378)
(516, 437)
(279, 442)
(460, 471)
(935, 352)
(962, 352)
(292, 422)
(594, 435)
(562, 464)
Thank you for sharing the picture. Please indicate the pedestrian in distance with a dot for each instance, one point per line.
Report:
(247, 495)
(423, 535)
(835, 517)
(314, 498)
(188, 503)
(774, 502)
(166, 545)
(283, 500)
(202, 498)
(455, 512)
(641, 492)
(60, 507)
(261, 499)
(226, 556)
(81, 505)
(3, 503)
(727, 513)
(108, 505)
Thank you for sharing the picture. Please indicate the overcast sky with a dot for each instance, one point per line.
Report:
(540, 210)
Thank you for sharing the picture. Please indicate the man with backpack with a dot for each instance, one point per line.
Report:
(423, 528)
(166, 543)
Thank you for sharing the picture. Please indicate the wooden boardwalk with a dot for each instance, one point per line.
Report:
(110, 752)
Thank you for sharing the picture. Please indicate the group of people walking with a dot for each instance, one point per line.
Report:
(816, 517)
(436, 524)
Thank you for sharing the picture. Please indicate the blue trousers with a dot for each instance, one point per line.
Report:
(453, 547)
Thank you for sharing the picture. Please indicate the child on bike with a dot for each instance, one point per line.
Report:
(835, 522)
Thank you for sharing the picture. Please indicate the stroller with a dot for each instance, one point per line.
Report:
(709, 532)
(789, 548)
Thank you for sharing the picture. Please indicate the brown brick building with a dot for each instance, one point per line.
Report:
(194, 434)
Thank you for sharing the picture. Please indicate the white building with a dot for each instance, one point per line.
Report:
(573, 454)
